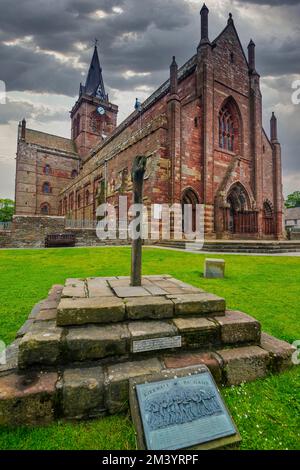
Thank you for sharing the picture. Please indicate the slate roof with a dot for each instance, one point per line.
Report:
(292, 214)
(50, 141)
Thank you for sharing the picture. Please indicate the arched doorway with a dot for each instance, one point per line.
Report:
(239, 218)
(189, 197)
(268, 218)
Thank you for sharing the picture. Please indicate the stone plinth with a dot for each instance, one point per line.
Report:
(214, 268)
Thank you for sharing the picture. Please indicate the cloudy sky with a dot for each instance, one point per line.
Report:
(46, 47)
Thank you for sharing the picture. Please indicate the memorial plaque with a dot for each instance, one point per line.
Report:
(183, 412)
(156, 344)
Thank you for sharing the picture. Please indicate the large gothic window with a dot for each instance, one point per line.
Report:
(226, 130)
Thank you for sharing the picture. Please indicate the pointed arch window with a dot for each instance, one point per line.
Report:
(45, 208)
(226, 130)
(46, 188)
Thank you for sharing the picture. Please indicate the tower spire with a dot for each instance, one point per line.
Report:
(94, 85)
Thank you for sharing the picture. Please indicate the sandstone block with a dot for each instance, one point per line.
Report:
(237, 327)
(98, 288)
(96, 342)
(244, 364)
(117, 385)
(152, 307)
(197, 332)
(27, 398)
(41, 345)
(83, 392)
(280, 352)
(95, 310)
(198, 304)
(183, 360)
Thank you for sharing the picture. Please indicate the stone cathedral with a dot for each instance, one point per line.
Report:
(201, 132)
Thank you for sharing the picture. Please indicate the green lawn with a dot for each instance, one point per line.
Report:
(267, 412)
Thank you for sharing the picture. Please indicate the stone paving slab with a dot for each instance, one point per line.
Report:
(148, 308)
(131, 292)
(237, 327)
(46, 315)
(153, 329)
(27, 398)
(92, 342)
(74, 291)
(244, 364)
(198, 304)
(94, 310)
(155, 290)
(98, 288)
(83, 392)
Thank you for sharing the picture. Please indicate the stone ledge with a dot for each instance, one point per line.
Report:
(198, 332)
(93, 310)
(280, 352)
(244, 364)
(27, 398)
(237, 327)
(203, 304)
(209, 359)
(148, 307)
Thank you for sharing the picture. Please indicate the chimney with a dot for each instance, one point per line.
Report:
(251, 56)
(273, 131)
(173, 77)
(204, 24)
(23, 129)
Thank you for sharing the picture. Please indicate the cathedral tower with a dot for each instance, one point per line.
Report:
(93, 117)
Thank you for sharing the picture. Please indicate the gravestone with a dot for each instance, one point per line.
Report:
(137, 175)
(214, 268)
(181, 411)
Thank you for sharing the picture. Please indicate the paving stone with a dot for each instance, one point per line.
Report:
(157, 277)
(149, 307)
(98, 288)
(210, 359)
(237, 327)
(35, 311)
(74, 291)
(55, 292)
(155, 290)
(11, 357)
(131, 292)
(180, 290)
(96, 342)
(74, 280)
(46, 315)
(83, 392)
(244, 364)
(49, 304)
(197, 332)
(117, 382)
(167, 283)
(280, 352)
(214, 268)
(27, 398)
(25, 328)
(41, 345)
(94, 310)
(198, 304)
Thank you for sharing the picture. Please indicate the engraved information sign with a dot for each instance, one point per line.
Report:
(182, 412)
(156, 343)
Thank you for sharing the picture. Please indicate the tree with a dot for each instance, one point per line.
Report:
(293, 200)
(7, 209)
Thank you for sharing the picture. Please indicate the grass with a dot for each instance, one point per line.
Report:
(267, 412)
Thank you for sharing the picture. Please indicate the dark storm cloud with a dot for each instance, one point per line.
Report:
(14, 110)
(271, 2)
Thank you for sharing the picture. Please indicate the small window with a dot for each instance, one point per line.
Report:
(87, 197)
(46, 188)
(195, 122)
(74, 174)
(232, 57)
(264, 149)
(78, 201)
(45, 210)
(47, 170)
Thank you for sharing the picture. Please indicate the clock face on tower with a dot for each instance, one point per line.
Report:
(101, 111)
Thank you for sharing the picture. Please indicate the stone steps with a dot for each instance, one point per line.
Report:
(47, 344)
(41, 396)
(83, 371)
(234, 246)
